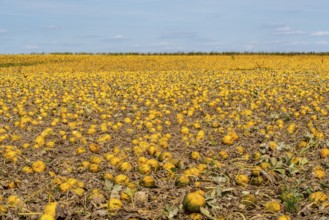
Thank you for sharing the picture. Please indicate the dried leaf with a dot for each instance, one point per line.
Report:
(219, 191)
(245, 192)
(102, 212)
(213, 204)
(219, 179)
(212, 194)
(98, 199)
(172, 211)
(141, 197)
(115, 191)
(228, 190)
(206, 212)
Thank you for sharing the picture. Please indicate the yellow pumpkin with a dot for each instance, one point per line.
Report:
(114, 204)
(182, 180)
(193, 202)
(242, 179)
(148, 181)
(318, 197)
(272, 206)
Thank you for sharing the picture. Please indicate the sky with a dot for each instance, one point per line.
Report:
(35, 26)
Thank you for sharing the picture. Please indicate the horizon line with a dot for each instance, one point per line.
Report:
(175, 53)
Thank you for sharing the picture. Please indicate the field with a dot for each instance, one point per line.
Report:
(164, 137)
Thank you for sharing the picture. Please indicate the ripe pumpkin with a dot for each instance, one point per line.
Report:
(148, 181)
(193, 202)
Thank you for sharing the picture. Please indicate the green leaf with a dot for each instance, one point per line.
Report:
(303, 161)
(281, 171)
(108, 185)
(273, 161)
(130, 192)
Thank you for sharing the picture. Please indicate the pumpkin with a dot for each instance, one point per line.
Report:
(193, 202)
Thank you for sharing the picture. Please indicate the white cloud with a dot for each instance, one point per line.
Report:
(116, 38)
(323, 42)
(50, 27)
(286, 30)
(297, 43)
(320, 33)
(164, 43)
(249, 47)
(283, 29)
(31, 46)
(119, 37)
(180, 35)
(3, 31)
(157, 46)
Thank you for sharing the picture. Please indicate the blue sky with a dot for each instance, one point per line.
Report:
(163, 25)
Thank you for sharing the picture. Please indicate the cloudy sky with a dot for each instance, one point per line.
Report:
(163, 25)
